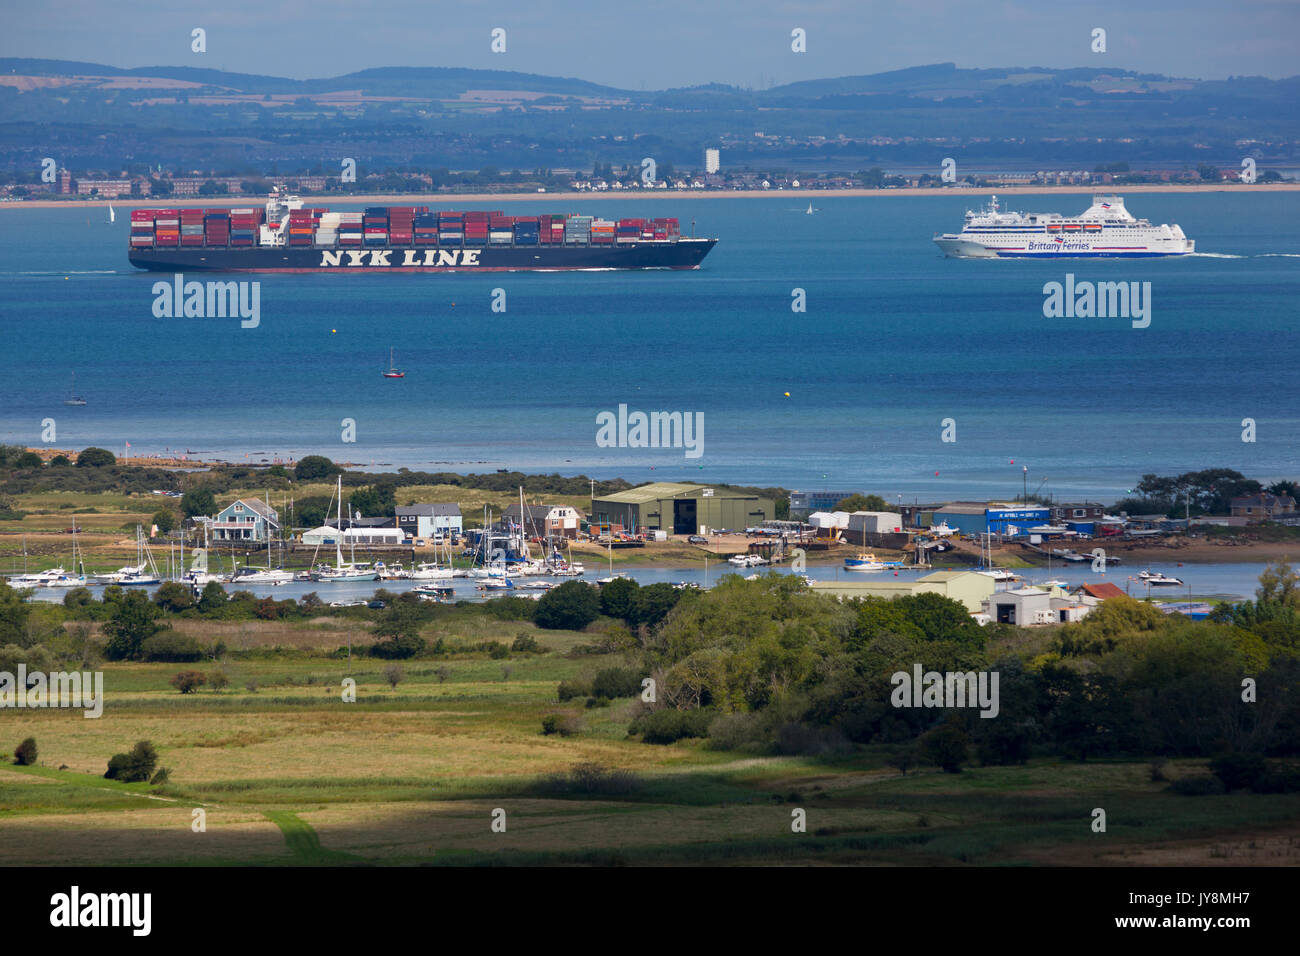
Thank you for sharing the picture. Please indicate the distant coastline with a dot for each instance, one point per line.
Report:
(676, 194)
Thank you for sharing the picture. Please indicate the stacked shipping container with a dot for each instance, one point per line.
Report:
(216, 227)
(390, 226)
(167, 227)
(351, 228)
(243, 225)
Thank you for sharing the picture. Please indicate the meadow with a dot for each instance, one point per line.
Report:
(288, 773)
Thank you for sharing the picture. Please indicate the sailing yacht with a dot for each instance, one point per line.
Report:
(343, 573)
(393, 371)
(143, 572)
(267, 575)
(73, 398)
(427, 571)
(63, 579)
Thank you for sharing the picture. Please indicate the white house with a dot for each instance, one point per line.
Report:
(1020, 606)
(1026, 607)
(543, 521)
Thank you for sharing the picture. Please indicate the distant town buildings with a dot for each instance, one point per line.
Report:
(104, 188)
(712, 160)
(1263, 506)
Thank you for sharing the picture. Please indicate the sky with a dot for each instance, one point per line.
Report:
(658, 44)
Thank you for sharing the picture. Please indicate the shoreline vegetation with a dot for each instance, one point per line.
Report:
(574, 196)
(107, 503)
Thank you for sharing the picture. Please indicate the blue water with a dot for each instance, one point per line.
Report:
(895, 339)
(1225, 581)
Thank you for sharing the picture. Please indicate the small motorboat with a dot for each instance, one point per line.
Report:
(1156, 579)
(999, 574)
(867, 561)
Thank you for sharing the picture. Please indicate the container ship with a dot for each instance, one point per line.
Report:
(287, 236)
(1104, 230)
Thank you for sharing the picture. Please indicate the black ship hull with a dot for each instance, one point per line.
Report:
(681, 254)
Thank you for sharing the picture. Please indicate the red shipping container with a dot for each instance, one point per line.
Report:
(142, 215)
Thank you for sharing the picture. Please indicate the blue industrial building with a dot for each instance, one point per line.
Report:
(972, 518)
(1015, 520)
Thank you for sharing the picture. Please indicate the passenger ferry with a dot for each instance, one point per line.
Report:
(1104, 230)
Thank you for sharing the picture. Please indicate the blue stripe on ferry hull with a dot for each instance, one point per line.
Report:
(1086, 255)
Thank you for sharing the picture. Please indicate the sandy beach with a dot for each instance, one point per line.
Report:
(215, 202)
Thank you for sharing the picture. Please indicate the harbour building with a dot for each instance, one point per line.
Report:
(682, 508)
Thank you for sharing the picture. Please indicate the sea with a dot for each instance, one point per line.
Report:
(831, 351)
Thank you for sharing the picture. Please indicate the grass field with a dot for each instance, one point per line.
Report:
(287, 772)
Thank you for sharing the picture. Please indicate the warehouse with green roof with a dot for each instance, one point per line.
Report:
(682, 508)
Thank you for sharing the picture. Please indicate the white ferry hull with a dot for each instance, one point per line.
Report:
(957, 247)
(1106, 230)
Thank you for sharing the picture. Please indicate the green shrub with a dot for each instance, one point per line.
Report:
(78, 597)
(188, 681)
(311, 467)
(132, 767)
(1239, 771)
(746, 730)
(616, 597)
(945, 747)
(1196, 787)
(591, 779)
(510, 608)
(95, 458)
(526, 644)
(171, 647)
(613, 682)
(569, 689)
(1282, 780)
(398, 648)
(25, 753)
(571, 606)
(566, 725)
(668, 725)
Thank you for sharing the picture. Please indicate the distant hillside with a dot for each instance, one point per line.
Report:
(97, 116)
